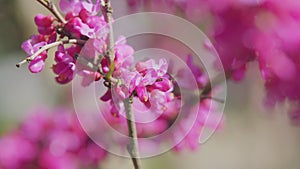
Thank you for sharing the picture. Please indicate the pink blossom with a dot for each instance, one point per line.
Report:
(265, 31)
(158, 101)
(45, 24)
(55, 140)
(184, 75)
(163, 84)
(30, 47)
(37, 64)
(83, 20)
(43, 21)
(15, 151)
(149, 74)
(124, 54)
(65, 72)
(161, 68)
(189, 135)
(151, 85)
(65, 66)
(73, 6)
(33, 44)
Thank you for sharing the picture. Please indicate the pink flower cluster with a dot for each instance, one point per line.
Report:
(47, 34)
(86, 28)
(148, 81)
(49, 140)
(81, 24)
(158, 106)
(265, 31)
(82, 19)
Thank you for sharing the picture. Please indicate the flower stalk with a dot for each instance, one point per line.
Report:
(107, 11)
(47, 47)
(53, 9)
(132, 146)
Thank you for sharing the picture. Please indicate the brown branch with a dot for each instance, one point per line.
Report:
(53, 9)
(132, 146)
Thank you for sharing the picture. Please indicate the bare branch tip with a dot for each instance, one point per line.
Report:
(18, 65)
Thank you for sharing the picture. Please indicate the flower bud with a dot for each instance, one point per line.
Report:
(43, 21)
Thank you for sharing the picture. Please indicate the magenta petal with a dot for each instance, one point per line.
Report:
(142, 93)
(239, 74)
(64, 5)
(70, 6)
(63, 57)
(59, 56)
(124, 56)
(124, 51)
(52, 38)
(43, 21)
(36, 65)
(107, 96)
(87, 6)
(162, 67)
(59, 67)
(150, 77)
(65, 72)
(158, 101)
(46, 30)
(135, 82)
(142, 66)
(31, 46)
(27, 47)
(163, 84)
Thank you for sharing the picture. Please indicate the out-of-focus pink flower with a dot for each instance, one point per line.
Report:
(249, 30)
(199, 75)
(73, 6)
(16, 151)
(50, 140)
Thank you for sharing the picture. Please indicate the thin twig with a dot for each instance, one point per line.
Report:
(52, 8)
(132, 147)
(107, 13)
(46, 47)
